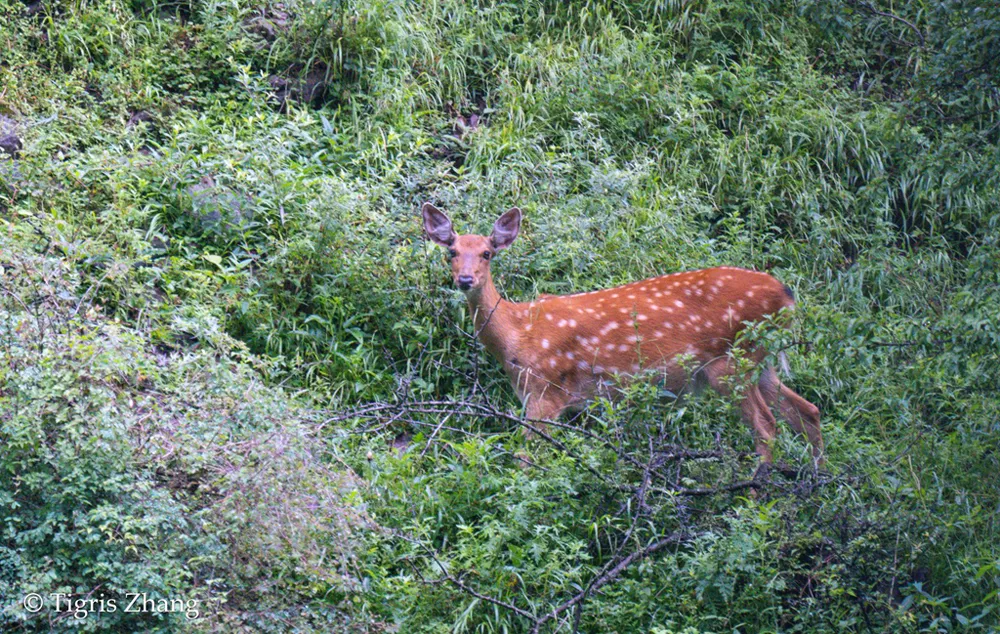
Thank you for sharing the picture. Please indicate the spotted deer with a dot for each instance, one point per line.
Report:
(560, 351)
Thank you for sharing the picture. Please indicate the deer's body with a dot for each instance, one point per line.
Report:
(562, 350)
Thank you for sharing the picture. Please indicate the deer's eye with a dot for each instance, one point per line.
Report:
(487, 255)
(452, 253)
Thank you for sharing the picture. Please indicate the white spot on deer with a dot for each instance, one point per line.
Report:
(589, 310)
(624, 311)
(570, 355)
(614, 295)
(552, 363)
(622, 348)
(572, 323)
(528, 327)
(658, 295)
(611, 325)
(728, 277)
(741, 303)
(598, 369)
(698, 292)
(582, 365)
(594, 340)
(749, 293)
(631, 296)
(678, 303)
(687, 291)
(697, 328)
(708, 324)
(635, 368)
(545, 343)
(548, 316)
(562, 323)
(632, 339)
(667, 324)
(642, 288)
(642, 317)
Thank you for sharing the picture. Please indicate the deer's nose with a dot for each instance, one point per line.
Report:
(465, 282)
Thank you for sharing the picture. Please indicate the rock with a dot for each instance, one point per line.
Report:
(270, 21)
(465, 125)
(218, 208)
(401, 443)
(10, 143)
(33, 9)
(137, 117)
(312, 88)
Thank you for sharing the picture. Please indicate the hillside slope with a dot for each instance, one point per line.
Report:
(227, 346)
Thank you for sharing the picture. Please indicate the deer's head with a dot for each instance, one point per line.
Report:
(470, 254)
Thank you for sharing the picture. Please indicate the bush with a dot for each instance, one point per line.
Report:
(160, 468)
(235, 370)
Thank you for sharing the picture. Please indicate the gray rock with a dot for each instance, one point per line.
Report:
(219, 208)
(10, 142)
(138, 117)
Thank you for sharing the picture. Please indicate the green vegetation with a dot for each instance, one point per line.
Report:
(234, 372)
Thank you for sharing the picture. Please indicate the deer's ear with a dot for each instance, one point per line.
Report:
(505, 229)
(437, 225)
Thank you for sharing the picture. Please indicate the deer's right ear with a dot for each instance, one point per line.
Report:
(437, 225)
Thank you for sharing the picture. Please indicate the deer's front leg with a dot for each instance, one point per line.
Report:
(542, 407)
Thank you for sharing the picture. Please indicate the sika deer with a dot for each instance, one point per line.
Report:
(560, 350)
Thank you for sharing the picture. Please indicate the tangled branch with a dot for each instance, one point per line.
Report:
(658, 471)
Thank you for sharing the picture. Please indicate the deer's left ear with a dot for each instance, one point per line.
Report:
(506, 228)
(437, 225)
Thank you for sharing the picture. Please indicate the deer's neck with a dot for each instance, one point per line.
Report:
(495, 320)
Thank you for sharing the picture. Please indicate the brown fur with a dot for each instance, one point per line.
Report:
(562, 350)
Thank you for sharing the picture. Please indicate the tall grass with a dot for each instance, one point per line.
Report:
(822, 142)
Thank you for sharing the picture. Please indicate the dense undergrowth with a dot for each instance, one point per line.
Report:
(211, 259)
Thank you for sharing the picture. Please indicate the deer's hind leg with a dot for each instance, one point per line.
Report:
(801, 415)
(756, 414)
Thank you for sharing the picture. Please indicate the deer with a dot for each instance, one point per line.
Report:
(562, 351)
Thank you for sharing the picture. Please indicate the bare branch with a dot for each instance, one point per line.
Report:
(676, 538)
